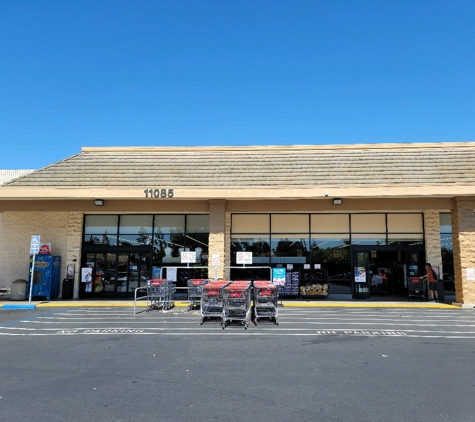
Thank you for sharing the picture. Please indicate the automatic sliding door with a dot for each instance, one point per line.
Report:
(110, 274)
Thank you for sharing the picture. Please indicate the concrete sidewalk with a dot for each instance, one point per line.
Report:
(353, 303)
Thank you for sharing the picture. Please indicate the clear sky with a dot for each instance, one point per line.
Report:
(231, 72)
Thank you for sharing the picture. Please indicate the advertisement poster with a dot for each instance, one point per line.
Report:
(86, 277)
(71, 271)
(360, 275)
(278, 276)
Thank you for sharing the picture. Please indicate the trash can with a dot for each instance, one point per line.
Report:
(440, 291)
(68, 285)
(18, 291)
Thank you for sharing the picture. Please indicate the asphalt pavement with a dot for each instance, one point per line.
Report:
(319, 364)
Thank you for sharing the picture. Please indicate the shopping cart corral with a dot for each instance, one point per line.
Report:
(264, 302)
(237, 304)
(195, 291)
(159, 294)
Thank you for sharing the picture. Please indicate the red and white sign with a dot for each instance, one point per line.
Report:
(45, 249)
(244, 258)
(188, 257)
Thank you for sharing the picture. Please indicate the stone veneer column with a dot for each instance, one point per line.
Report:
(73, 249)
(217, 233)
(432, 238)
(463, 240)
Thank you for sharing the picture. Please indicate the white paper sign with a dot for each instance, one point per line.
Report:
(188, 257)
(172, 273)
(244, 258)
(215, 258)
(470, 272)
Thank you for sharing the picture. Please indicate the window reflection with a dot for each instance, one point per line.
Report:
(291, 249)
(259, 246)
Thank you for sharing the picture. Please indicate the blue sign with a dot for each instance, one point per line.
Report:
(35, 244)
(278, 276)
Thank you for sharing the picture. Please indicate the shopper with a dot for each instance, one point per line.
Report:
(431, 278)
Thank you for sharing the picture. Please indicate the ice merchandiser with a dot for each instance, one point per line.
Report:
(45, 276)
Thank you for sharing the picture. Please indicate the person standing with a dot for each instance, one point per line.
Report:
(431, 278)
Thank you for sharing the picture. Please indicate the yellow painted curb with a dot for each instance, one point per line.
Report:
(370, 305)
(290, 304)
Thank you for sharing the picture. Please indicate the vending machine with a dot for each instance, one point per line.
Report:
(46, 276)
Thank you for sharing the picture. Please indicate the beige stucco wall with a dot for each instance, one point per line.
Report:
(217, 233)
(432, 238)
(62, 229)
(463, 240)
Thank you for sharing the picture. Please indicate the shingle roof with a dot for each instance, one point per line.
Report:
(273, 166)
(8, 175)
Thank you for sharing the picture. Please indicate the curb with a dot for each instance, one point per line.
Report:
(130, 304)
(18, 306)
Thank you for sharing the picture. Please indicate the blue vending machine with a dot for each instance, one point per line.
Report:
(45, 277)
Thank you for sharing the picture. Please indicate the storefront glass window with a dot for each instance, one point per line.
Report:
(250, 223)
(447, 252)
(289, 223)
(168, 248)
(333, 254)
(133, 224)
(197, 223)
(290, 249)
(330, 223)
(166, 224)
(259, 246)
(368, 223)
(135, 230)
(409, 240)
(368, 239)
(405, 223)
(101, 229)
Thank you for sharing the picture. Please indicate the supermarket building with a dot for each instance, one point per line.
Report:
(337, 210)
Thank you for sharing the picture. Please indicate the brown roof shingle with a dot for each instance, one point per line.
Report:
(273, 166)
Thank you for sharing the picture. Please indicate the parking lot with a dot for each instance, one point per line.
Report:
(325, 364)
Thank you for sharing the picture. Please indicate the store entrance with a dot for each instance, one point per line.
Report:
(116, 274)
(382, 271)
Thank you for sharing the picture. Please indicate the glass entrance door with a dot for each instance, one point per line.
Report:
(117, 274)
(361, 275)
(382, 271)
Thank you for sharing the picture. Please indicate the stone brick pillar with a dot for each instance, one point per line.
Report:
(217, 233)
(463, 240)
(432, 238)
(73, 248)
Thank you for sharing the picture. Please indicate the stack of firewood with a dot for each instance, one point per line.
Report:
(314, 290)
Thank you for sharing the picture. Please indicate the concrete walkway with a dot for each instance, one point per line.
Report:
(352, 303)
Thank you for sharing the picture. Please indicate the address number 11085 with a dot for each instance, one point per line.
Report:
(158, 193)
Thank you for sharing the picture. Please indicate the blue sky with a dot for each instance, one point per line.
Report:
(224, 72)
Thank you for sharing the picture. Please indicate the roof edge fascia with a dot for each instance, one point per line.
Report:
(257, 193)
(379, 146)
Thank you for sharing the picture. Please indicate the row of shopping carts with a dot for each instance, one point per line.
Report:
(239, 302)
(159, 294)
(228, 302)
